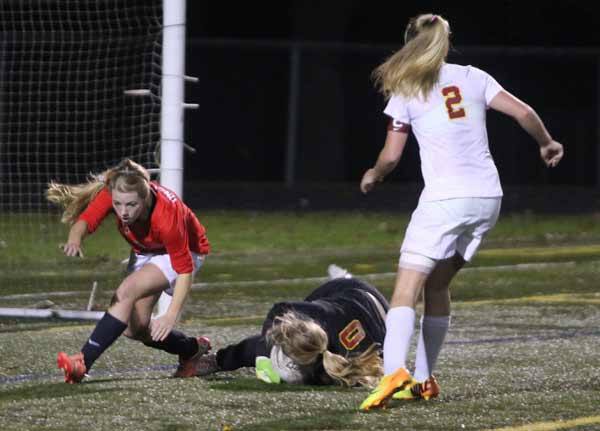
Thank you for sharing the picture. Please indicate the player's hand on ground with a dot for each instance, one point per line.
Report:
(551, 153)
(72, 249)
(161, 327)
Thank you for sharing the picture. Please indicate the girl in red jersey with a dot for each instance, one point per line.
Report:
(170, 245)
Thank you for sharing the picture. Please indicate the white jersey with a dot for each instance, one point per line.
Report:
(451, 131)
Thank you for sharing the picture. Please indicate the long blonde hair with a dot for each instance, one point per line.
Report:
(414, 70)
(126, 177)
(303, 340)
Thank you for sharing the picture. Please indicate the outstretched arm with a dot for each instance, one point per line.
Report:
(76, 234)
(386, 162)
(551, 151)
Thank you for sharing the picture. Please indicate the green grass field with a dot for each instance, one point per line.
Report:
(522, 353)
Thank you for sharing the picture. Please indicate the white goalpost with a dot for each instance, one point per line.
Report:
(172, 114)
(83, 84)
(173, 105)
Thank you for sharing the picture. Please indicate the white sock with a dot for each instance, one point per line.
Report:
(399, 325)
(433, 332)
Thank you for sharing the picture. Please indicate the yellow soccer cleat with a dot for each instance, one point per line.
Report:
(419, 391)
(387, 387)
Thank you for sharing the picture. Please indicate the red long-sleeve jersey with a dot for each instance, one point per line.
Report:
(171, 228)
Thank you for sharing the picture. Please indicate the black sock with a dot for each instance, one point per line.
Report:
(107, 330)
(176, 343)
(242, 354)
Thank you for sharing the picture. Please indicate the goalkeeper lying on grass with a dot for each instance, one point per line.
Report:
(332, 337)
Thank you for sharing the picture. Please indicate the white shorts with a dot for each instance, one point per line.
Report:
(163, 262)
(439, 229)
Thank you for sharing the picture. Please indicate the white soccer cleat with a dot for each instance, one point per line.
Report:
(334, 271)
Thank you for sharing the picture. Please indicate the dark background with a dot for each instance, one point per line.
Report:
(543, 52)
(502, 22)
(288, 116)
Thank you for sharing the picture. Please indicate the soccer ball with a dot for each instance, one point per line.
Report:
(287, 369)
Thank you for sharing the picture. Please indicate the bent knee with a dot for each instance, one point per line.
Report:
(124, 293)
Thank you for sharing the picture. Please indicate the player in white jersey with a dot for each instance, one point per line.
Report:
(445, 107)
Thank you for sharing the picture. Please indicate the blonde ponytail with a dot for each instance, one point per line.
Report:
(74, 199)
(414, 70)
(127, 176)
(365, 369)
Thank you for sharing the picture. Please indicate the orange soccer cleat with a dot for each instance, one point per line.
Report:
(387, 387)
(430, 388)
(189, 367)
(73, 366)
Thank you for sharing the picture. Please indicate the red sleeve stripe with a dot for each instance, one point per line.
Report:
(398, 126)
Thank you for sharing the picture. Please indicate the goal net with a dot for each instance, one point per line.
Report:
(66, 109)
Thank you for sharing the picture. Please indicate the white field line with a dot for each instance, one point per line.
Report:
(32, 313)
(280, 281)
(376, 276)
(43, 295)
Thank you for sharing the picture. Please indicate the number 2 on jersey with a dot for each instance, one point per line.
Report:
(453, 98)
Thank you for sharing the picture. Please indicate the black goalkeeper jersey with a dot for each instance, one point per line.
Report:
(345, 308)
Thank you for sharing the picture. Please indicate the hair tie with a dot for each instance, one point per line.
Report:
(433, 19)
